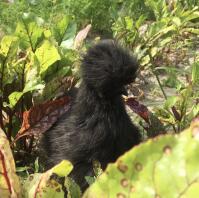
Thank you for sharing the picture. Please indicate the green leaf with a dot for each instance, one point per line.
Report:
(170, 102)
(129, 22)
(90, 180)
(33, 85)
(195, 72)
(140, 21)
(165, 41)
(47, 54)
(159, 30)
(165, 167)
(195, 111)
(63, 168)
(192, 191)
(29, 32)
(190, 15)
(22, 169)
(60, 29)
(8, 45)
(176, 21)
(14, 98)
(8, 52)
(69, 37)
(191, 30)
(73, 189)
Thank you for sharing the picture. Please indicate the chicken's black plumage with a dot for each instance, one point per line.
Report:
(98, 127)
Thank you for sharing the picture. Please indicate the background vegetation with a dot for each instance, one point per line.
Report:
(41, 43)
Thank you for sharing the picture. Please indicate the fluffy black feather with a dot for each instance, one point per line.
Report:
(98, 127)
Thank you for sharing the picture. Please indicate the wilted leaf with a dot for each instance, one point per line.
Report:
(166, 167)
(176, 113)
(41, 117)
(138, 108)
(43, 185)
(81, 35)
(154, 126)
(9, 181)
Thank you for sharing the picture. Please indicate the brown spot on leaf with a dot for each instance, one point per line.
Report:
(138, 166)
(120, 195)
(58, 190)
(167, 150)
(55, 184)
(132, 189)
(31, 178)
(157, 196)
(122, 167)
(195, 132)
(124, 182)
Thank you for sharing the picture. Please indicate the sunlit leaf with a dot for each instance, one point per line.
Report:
(47, 54)
(29, 32)
(14, 98)
(60, 29)
(8, 45)
(146, 170)
(63, 168)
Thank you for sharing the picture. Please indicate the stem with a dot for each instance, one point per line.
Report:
(10, 127)
(1, 113)
(159, 83)
(157, 77)
(1, 89)
(22, 86)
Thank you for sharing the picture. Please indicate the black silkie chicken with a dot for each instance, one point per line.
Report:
(98, 127)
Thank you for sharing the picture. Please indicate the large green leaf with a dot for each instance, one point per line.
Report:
(28, 72)
(47, 54)
(68, 39)
(60, 29)
(8, 51)
(29, 31)
(165, 167)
